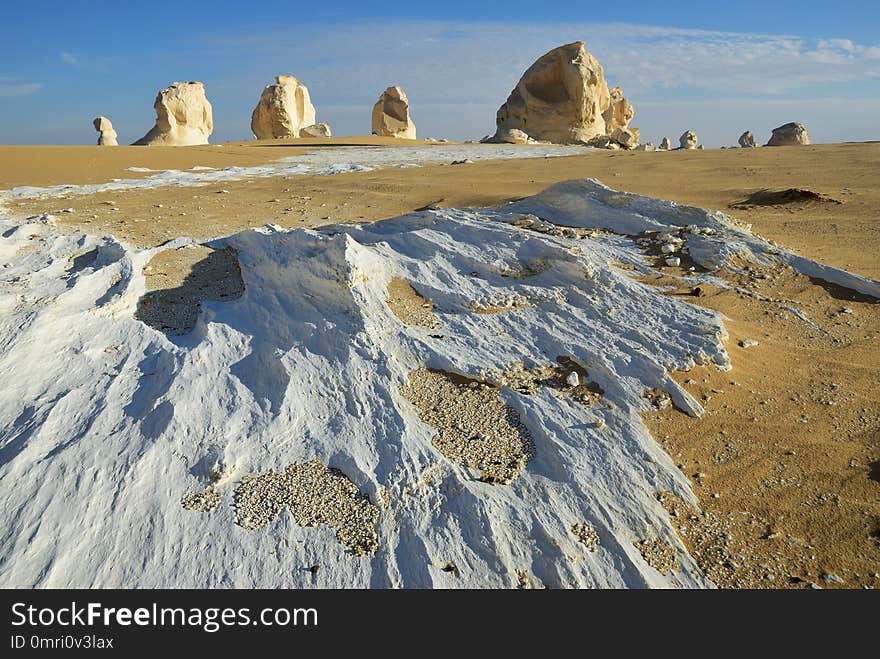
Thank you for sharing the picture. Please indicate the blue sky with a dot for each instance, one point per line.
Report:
(715, 68)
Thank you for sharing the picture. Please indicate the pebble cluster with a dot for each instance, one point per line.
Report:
(314, 494)
(202, 501)
(566, 376)
(474, 427)
(534, 223)
(410, 307)
(586, 535)
(658, 554)
(670, 245)
(658, 398)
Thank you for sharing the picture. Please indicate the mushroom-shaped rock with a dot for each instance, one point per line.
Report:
(747, 140)
(560, 98)
(391, 115)
(106, 134)
(789, 134)
(183, 117)
(665, 144)
(688, 140)
(283, 110)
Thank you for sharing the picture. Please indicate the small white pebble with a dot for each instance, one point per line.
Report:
(748, 343)
(573, 380)
(673, 261)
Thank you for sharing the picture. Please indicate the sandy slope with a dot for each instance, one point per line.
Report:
(789, 442)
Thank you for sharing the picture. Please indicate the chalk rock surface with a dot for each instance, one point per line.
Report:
(391, 115)
(747, 140)
(790, 134)
(688, 140)
(284, 110)
(183, 117)
(107, 136)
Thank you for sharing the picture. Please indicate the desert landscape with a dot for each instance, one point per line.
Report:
(558, 356)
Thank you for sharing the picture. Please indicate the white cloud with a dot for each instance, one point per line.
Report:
(67, 58)
(457, 64)
(9, 87)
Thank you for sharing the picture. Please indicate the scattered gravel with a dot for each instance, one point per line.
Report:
(658, 554)
(566, 376)
(202, 501)
(315, 495)
(587, 535)
(410, 307)
(474, 427)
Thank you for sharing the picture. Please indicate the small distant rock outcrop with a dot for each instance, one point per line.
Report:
(688, 140)
(107, 136)
(647, 146)
(563, 98)
(183, 117)
(284, 110)
(512, 136)
(665, 144)
(391, 115)
(790, 134)
(747, 140)
(316, 130)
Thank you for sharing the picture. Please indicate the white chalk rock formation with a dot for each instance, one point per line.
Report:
(316, 130)
(560, 98)
(790, 134)
(688, 140)
(747, 140)
(284, 109)
(162, 452)
(107, 136)
(665, 144)
(183, 117)
(619, 113)
(391, 115)
(647, 146)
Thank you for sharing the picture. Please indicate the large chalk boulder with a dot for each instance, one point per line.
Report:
(183, 117)
(391, 115)
(511, 136)
(790, 134)
(628, 138)
(747, 140)
(560, 98)
(688, 140)
(283, 111)
(106, 134)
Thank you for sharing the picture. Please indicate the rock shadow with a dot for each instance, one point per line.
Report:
(175, 311)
